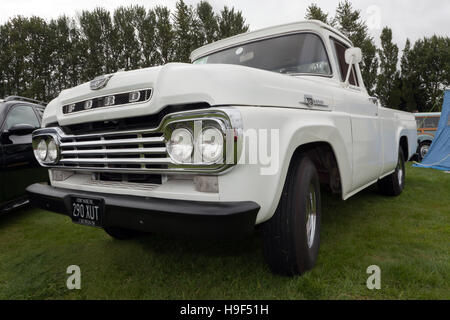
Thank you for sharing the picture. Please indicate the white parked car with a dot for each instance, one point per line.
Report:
(251, 133)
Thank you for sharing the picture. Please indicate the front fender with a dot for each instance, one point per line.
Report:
(424, 137)
(263, 182)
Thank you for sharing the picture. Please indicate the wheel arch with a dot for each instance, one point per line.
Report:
(404, 145)
(406, 139)
(424, 137)
(330, 149)
(323, 156)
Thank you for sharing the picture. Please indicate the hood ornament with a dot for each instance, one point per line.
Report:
(100, 82)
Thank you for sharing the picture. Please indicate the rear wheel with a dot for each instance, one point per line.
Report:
(121, 234)
(292, 235)
(422, 150)
(393, 184)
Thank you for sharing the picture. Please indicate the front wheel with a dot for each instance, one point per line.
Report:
(393, 184)
(292, 235)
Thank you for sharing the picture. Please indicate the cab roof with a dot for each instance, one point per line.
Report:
(427, 114)
(314, 25)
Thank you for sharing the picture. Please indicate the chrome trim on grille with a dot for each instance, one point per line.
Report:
(116, 151)
(112, 142)
(118, 161)
(122, 185)
(140, 150)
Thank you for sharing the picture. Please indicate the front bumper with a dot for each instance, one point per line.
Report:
(217, 219)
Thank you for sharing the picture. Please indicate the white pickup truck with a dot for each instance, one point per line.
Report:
(250, 133)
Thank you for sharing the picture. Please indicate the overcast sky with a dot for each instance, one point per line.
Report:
(408, 18)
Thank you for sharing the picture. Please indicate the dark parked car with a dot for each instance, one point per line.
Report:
(19, 117)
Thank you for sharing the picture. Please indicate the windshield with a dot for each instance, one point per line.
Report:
(291, 54)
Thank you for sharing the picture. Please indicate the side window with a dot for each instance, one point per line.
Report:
(431, 122)
(420, 122)
(343, 66)
(21, 115)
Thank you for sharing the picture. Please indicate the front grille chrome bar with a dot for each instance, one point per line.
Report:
(115, 151)
(112, 142)
(118, 161)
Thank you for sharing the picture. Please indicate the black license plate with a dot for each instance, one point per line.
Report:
(87, 211)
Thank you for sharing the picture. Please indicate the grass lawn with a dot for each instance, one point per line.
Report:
(407, 237)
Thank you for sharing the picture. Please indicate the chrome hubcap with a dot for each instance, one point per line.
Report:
(399, 172)
(424, 150)
(311, 216)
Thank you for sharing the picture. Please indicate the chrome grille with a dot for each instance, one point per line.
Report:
(136, 145)
(127, 150)
(122, 185)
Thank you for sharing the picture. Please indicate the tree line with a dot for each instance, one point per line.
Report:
(39, 58)
(424, 72)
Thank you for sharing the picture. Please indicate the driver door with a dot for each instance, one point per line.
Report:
(365, 123)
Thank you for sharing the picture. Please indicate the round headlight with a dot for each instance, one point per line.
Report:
(41, 150)
(210, 145)
(52, 151)
(180, 145)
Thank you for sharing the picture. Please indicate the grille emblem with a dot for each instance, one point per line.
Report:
(100, 82)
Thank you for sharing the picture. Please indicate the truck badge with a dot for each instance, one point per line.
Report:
(100, 82)
(309, 101)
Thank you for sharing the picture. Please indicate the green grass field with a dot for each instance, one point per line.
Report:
(407, 237)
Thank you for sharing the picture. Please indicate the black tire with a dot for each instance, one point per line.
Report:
(121, 234)
(422, 150)
(393, 184)
(286, 247)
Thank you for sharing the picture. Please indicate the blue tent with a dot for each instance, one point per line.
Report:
(438, 156)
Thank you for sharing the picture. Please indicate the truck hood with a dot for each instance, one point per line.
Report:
(179, 83)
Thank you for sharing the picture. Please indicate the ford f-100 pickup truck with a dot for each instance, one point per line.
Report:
(248, 134)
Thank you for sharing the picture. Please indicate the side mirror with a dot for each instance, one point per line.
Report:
(352, 56)
(21, 129)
